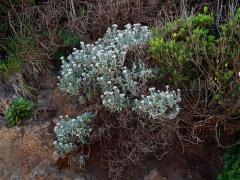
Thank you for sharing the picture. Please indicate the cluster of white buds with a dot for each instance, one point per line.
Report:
(159, 104)
(114, 100)
(70, 132)
(99, 65)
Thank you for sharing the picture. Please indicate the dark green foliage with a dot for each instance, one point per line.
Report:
(19, 109)
(179, 43)
(231, 165)
(68, 38)
(196, 54)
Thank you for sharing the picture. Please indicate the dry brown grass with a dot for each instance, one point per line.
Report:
(101, 14)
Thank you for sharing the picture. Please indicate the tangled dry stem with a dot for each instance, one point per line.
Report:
(101, 14)
(126, 139)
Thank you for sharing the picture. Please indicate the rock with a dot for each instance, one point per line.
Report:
(5, 100)
(66, 104)
(188, 177)
(55, 157)
(3, 121)
(4, 104)
(21, 152)
(48, 170)
(9, 153)
(30, 155)
(15, 176)
(47, 81)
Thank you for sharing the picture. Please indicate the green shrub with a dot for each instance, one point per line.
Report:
(231, 165)
(19, 109)
(196, 54)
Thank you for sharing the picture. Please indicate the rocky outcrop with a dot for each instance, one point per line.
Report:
(27, 153)
(4, 99)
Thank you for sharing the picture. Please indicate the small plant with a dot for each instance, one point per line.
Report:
(71, 133)
(19, 109)
(231, 165)
(159, 104)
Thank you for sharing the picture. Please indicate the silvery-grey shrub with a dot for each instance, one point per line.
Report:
(95, 65)
(102, 67)
(70, 132)
(159, 104)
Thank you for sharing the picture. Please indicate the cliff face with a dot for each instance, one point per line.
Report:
(26, 151)
(21, 151)
(4, 100)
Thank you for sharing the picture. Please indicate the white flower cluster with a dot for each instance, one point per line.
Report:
(72, 132)
(159, 104)
(131, 79)
(102, 65)
(114, 100)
